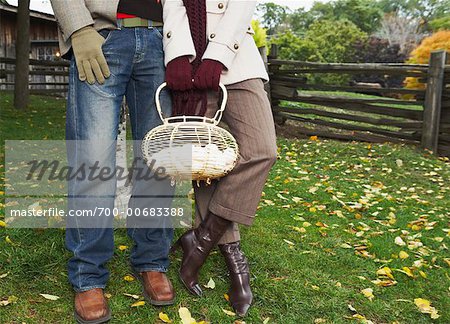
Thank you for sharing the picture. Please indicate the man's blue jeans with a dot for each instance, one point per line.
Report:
(135, 58)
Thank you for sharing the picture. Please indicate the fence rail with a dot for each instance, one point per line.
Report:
(365, 111)
(46, 77)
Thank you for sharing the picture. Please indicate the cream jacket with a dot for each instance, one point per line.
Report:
(230, 37)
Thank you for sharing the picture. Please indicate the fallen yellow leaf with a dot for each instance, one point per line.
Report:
(164, 317)
(49, 297)
(399, 241)
(289, 242)
(185, 316)
(426, 308)
(384, 283)
(229, 313)
(299, 229)
(447, 260)
(11, 300)
(122, 247)
(368, 292)
(2, 223)
(138, 303)
(128, 278)
(407, 271)
(416, 227)
(385, 271)
(403, 255)
(132, 296)
(211, 284)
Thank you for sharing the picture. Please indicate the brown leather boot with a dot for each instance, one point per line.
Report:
(240, 294)
(91, 307)
(196, 245)
(156, 288)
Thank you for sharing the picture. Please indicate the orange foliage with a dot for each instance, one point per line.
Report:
(421, 55)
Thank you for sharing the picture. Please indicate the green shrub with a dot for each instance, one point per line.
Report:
(260, 35)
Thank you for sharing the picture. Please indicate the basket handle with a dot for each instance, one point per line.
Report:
(217, 117)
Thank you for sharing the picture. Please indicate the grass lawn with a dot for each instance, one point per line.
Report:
(336, 220)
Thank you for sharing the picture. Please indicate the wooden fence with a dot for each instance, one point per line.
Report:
(46, 77)
(382, 115)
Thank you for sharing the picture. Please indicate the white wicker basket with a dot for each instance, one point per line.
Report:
(191, 147)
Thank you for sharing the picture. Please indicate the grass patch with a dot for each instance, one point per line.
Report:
(327, 222)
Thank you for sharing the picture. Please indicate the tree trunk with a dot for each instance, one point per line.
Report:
(21, 91)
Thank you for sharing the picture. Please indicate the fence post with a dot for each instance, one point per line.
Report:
(433, 102)
(263, 53)
(272, 69)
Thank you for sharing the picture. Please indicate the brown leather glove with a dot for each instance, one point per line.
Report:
(87, 48)
(179, 74)
(208, 75)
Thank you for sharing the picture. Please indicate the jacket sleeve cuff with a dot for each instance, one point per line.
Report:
(220, 52)
(68, 31)
(67, 23)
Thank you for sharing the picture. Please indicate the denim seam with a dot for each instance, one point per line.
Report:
(153, 269)
(133, 84)
(75, 82)
(89, 288)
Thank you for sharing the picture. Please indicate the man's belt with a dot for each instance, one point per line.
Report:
(138, 22)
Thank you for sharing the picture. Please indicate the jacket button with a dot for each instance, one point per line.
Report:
(236, 46)
(212, 35)
(169, 34)
(220, 5)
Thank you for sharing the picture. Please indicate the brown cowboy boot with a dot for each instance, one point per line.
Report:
(156, 288)
(240, 294)
(196, 245)
(91, 307)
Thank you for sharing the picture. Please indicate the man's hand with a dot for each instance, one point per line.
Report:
(208, 75)
(179, 74)
(87, 48)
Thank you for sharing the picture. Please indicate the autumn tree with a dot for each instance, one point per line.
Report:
(422, 54)
(21, 90)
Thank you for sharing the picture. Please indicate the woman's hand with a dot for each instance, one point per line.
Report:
(179, 74)
(208, 75)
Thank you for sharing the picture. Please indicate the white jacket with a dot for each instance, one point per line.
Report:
(230, 37)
